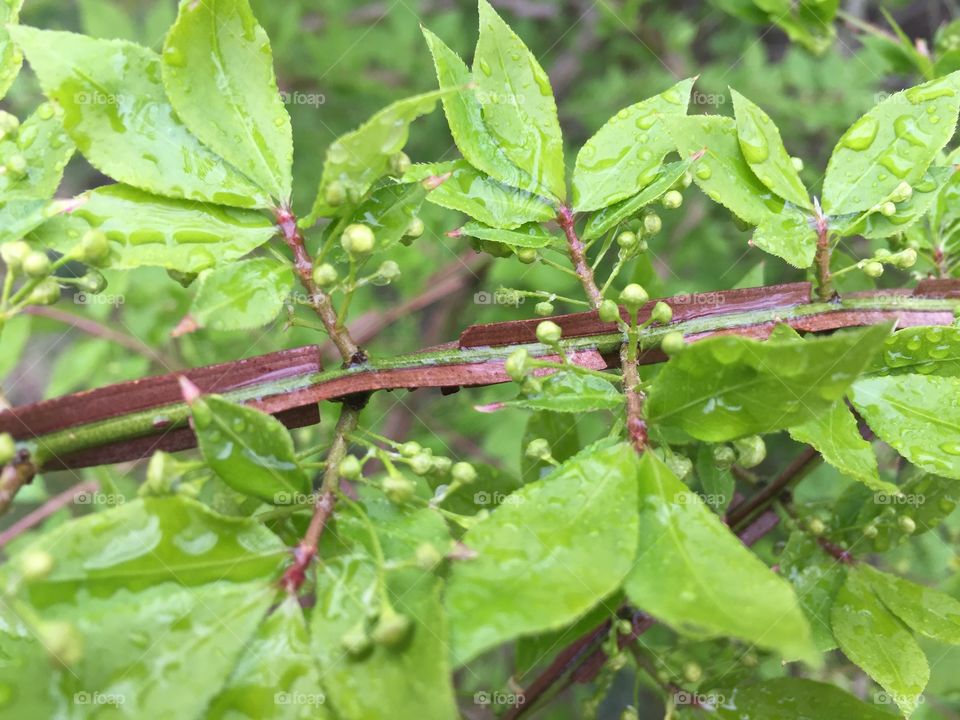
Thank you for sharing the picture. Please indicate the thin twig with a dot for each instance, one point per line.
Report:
(822, 257)
(578, 257)
(35, 517)
(794, 472)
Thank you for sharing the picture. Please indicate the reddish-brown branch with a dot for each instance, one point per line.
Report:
(578, 256)
(634, 397)
(822, 257)
(793, 472)
(304, 553)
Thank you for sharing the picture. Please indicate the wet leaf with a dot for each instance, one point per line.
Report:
(242, 295)
(925, 610)
(464, 114)
(10, 57)
(790, 698)
(695, 575)
(570, 392)
(764, 151)
(727, 387)
(517, 101)
(388, 211)
(116, 112)
(250, 451)
(871, 637)
(788, 235)
(146, 229)
(531, 235)
(894, 142)
(561, 545)
(559, 430)
(625, 155)
(921, 350)
(218, 74)
(361, 157)
(835, 435)
(481, 197)
(816, 578)
(918, 415)
(45, 148)
(150, 541)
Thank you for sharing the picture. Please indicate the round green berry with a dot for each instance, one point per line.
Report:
(905, 258)
(92, 281)
(723, 456)
(870, 531)
(692, 672)
(673, 342)
(672, 199)
(350, 467)
(633, 296)
(907, 524)
(386, 273)
(399, 163)
(8, 448)
(391, 628)
(873, 269)
(46, 293)
(410, 448)
(797, 163)
(421, 464)
(463, 472)
(61, 640)
(441, 465)
(538, 449)
(324, 275)
(36, 264)
(335, 194)
(543, 309)
(13, 254)
(356, 641)
(816, 526)
(94, 247)
(415, 228)
(661, 313)
(652, 224)
(399, 490)
(627, 240)
(549, 333)
(35, 565)
(903, 191)
(527, 255)
(357, 239)
(751, 451)
(427, 556)
(16, 165)
(609, 312)
(887, 209)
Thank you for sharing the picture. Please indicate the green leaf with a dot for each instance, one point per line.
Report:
(695, 575)
(877, 225)
(491, 488)
(10, 57)
(925, 610)
(561, 545)
(625, 155)
(361, 157)
(162, 652)
(727, 387)
(718, 485)
(764, 151)
(571, 392)
(808, 22)
(483, 198)
(796, 699)
(835, 435)
(465, 118)
(145, 229)
(218, 74)
(611, 216)
(816, 578)
(14, 335)
(872, 638)
(18, 218)
(116, 111)
(242, 295)
(250, 451)
(723, 173)
(517, 101)
(923, 350)
(45, 147)
(916, 414)
(277, 675)
(894, 142)
(789, 236)
(531, 235)
(150, 541)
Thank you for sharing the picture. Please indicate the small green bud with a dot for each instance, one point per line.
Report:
(527, 255)
(13, 254)
(609, 312)
(887, 209)
(8, 124)
(46, 293)
(410, 448)
(661, 313)
(399, 163)
(538, 449)
(36, 264)
(816, 526)
(797, 163)
(441, 465)
(415, 228)
(543, 309)
(680, 465)
(627, 240)
(8, 448)
(723, 456)
(92, 281)
(335, 194)
(350, 467)
(16, 165)
(386, 273)
(907, 524)
(903, 191)
(629, 713)
(692, 672)
(421, 464)
(672, 199)
(905, 258)
(549, 333)
(463, 472)
(399, 490)
(517, 365)
(427, 556)
(673, 342)
(94, 247)
(870, 531)
(687, 179)
(62, 641)
(873, 269)
(35, 565)
(391, 628)
(751, 451)
(357, 239)
(324, 275)
(355, 640)
(652, 224)
(633, 296)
